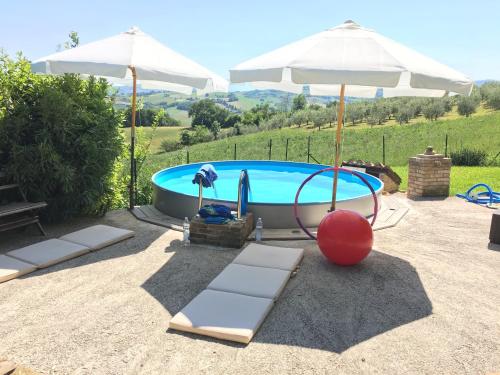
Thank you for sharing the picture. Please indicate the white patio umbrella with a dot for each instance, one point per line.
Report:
(288, 85)
(136, 56)
(350, 55)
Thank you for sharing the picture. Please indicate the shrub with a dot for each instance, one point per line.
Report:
(468, 157)
(199, 134)
(168, 145)
(60, 139)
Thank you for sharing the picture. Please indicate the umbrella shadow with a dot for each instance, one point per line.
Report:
(324, 307)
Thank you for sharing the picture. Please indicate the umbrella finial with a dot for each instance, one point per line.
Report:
(134, 30)
(350, 24)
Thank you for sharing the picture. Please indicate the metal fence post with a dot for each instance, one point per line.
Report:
(308, 148)
(446, 146)
(187, 156)
(235, 151)
(383, 149)
(286, 150)
(270, 148)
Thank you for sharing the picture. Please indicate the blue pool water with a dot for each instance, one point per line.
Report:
(270, 182)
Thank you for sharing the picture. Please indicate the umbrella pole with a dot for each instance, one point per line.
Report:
(340, 118)
(132, 140)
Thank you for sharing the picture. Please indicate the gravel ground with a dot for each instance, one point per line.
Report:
(426, 301)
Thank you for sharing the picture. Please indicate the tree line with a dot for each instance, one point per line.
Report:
(211, 121)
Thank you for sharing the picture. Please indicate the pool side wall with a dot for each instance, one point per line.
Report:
(277, 216)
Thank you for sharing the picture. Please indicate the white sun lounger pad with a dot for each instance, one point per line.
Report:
(227, 316)
(251, 281)
(98, 236)
(10, 268)
(49, 252)
(236, 302)
(284, 258)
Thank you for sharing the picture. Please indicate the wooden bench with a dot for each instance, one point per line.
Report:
(19, 214)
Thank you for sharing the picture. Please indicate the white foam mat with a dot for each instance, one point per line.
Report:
(98, 236)
(251, 281)
(47, 253)
(10, 268)
(284, 258)
(227, 316)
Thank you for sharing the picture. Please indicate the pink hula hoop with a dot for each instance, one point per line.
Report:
(296, 204)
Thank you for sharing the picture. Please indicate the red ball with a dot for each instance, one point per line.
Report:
(345, 237)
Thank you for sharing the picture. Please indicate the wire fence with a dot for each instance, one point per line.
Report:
(387, 149)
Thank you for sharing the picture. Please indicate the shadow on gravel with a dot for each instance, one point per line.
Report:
(324, 307)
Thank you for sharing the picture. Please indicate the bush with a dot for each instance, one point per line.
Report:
(468, 157)
(60, 140)
(199, 134)
(168, 145)
(242, 129)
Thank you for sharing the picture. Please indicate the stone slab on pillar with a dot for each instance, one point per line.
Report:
(429, 175)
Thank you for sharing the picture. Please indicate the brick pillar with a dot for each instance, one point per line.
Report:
(429, 175)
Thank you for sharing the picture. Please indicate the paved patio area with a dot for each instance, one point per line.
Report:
(426, 301)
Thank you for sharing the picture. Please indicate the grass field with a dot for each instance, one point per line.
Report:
(166, 132)
(401, 142)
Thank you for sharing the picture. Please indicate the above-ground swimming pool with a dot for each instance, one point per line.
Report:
(273, 185)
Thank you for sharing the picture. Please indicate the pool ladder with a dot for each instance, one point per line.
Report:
(243, 189)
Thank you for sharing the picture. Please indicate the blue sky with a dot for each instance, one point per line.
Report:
(221, 33)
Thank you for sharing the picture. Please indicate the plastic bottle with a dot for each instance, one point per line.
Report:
(258, 230)
(185, 227)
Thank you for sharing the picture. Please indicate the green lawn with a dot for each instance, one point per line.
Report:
(167, 132)
(462, 178)
(180, 115)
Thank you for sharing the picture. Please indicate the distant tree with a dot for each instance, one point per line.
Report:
(257, 114)
(299, 117)
(467, 105)
(146, 117)
(447, 104)
(493, 99)
(215, 129)
(355, 112)
(331, 111)
(299, 103)
(205, 113)
(74, 41)
(378, 113)
(488, 88)
(404, 114)
(433, 110)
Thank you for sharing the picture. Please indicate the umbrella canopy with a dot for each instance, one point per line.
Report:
(137, 56)
(315, 89)
(350, 55)
(114, 56)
